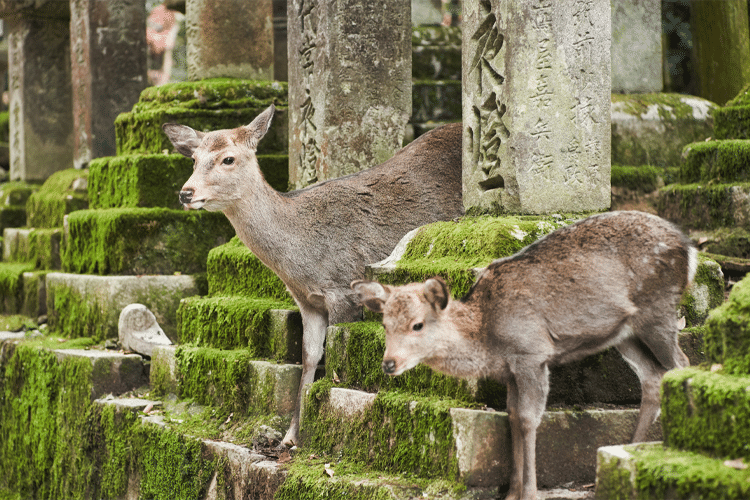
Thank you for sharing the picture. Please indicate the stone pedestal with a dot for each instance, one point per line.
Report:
(636, 46)
(349, 85)
(108, 43)
(536, 105)
(41, 122)
(230, 38)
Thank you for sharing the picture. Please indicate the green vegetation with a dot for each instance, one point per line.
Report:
(728, 331)
(56, 198)
(717, 161)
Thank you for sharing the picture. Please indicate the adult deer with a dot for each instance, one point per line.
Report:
(318, 239)
(613, 279)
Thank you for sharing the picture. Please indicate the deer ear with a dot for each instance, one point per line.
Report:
(184, 138)
(436, 292)
(371, 294)
(258, 127)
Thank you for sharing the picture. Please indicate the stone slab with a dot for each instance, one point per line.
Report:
(636, 46)
(703, 206)
(113, 372)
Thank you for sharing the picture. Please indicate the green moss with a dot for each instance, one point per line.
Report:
(436, 100)
(706, 292)
(5, 127)
(44, 248)
(701, 206)
(56, 198)
(11, 285)
(670, 106)
(728, 330)
(706, 412)
(236, 322)
(234, 270)
(142, 240)
(732, 122)
(719, 161)
(73, 315)
(644, 178)
(16, 193)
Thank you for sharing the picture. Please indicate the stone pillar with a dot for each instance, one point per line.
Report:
(41, 121)
(349, 85)
(229, 38)
(536, 105)
(636, 46)
(108, 43)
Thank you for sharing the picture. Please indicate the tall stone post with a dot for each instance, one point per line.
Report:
(41, 121)
(636, 46)
(229, 38)
(108, 44)
(349, 85)
(536, 101)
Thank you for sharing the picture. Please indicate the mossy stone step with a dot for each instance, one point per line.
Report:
(233, 380)
(205, 105)
(393, 431)
(650, 471)
(732, 121)
(62, 193)
(704, 206)
(643, 178)
(13, 198)
(80, 305)
(155, 180)
(436, 53)
(142, 240)
(728, 331)
(266, 328)
(232, 269)
(354, 352)
(436, 100)
(12, 286)
(723, 161)
(40, 247)
(703, 411)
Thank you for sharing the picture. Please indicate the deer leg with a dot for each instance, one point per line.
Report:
(516, 478)
(650, 373)
(314, 324)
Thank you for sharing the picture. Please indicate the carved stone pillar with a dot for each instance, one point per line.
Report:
(636, 46)
(536, 101)
(349, 85)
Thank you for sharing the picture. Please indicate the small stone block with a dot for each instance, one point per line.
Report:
(164, 374)
(113, 372)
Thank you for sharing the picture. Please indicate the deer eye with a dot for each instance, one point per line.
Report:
(228, 160)
(417, 326)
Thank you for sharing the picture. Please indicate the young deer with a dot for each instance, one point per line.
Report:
(613, 279)
(318, 239)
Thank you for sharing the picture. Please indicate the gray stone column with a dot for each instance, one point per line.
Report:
(349, 85)
(636, 46)
(536, 101)
(229, 38)
(108, 44)
(41, 121)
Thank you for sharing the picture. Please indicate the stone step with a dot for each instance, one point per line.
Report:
(155, 180)
(232, 380)
(732, 121)
(436, 53)
(436, 438)
(13, 198)
(436, 101)
(727, 340)
(354, 352)
(62, 193)
(706, 412)
(232, 269)
(82, 305)
(40, 247)
(724, 161)
(142, 240)
(266, 328)
(205, 105)
(702, 206)
(12, 286)
(650, 471)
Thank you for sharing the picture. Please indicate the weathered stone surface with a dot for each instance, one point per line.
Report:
(218, 45)
(536, 86)
(15, 244)
(108, 43)
(653, 129)
(139, 331)
(636, 46)
(699, 206)
(39, 85)
(350, 85)
(113, 373)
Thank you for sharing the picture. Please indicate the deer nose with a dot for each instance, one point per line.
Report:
(389, 366)
(186, 196)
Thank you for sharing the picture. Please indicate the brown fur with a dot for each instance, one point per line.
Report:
(613, 279)
(319, 239)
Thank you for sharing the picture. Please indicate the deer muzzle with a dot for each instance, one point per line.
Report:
(186, 196)
(389, 366)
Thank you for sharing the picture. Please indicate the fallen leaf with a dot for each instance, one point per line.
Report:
(284, 457)
(328, 470)
(229, 418)
(681, 323)
(736, 464)
(148, 408)
(336, 379)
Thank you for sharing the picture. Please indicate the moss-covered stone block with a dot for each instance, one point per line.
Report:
(266, 328)
(62, 193)
(728, 331)
(234, 270)
(644, 178)
(718, 161)
(236, 382)
(142, 240)
(436, 53)
(155, 180)
(707, 412)
(205, 105)
(40, 247)
(705, 293)
(11, 286)
(16, 193)
(725, 243)
(436, 101)
(708, 206)
(652, 129)
(164, 375)
(12, 217)
(34, 299)
(89, 306)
